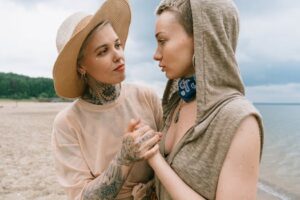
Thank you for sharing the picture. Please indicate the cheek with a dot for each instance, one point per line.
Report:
(185, 50)
(176, 48)
(174, 54)
(98, 66)
(170, 53)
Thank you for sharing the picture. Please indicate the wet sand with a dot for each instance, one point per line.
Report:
(26, 167)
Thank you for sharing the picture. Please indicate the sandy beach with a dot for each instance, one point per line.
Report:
(26, 167)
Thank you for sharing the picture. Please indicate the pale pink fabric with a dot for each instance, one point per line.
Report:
(86, 137)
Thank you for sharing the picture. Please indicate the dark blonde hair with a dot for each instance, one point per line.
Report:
(183, 13)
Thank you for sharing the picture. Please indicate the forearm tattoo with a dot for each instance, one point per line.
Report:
(107, 185)
(110, 182)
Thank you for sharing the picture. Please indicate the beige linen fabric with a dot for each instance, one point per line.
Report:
(86, 137)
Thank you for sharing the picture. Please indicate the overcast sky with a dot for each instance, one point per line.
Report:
(268, 51)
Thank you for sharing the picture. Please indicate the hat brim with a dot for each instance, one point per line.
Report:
(67, 82)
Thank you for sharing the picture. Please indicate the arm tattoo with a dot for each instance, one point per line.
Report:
(107, 185)
(110, 182)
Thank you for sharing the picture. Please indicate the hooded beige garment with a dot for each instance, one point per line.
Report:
(86, 137)
(221, 106)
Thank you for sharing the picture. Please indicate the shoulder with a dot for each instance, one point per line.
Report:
(66, 126)
(65, 116)
(248, 132)
(142, 92)
(237, 111)
(139, 88)
(238, 115)
(245, 145)
(246, 122)
(239, 106)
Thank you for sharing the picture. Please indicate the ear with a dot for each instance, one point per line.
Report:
(81, 69)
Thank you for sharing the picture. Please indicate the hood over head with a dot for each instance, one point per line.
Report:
(215, 29)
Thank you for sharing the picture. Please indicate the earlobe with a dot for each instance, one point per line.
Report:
(81, 70)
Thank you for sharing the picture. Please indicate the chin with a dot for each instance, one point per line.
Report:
(122, 78)
(119, 80)
(171, 76)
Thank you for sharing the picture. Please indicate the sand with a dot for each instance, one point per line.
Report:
(26, 166)
(26, 163)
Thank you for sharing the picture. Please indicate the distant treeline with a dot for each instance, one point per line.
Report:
(14, 86)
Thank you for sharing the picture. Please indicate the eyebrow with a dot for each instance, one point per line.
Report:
(104, 45)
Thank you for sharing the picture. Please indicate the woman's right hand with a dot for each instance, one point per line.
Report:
(137, 143)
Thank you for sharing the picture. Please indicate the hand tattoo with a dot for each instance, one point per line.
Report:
(129, 151)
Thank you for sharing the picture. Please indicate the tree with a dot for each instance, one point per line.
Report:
(16, 86)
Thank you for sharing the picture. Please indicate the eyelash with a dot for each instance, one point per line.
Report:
(161, 41)
(117, 46)
(102, 52)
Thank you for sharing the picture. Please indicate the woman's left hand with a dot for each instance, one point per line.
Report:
(151, 153)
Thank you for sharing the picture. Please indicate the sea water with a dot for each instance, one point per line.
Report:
(280, 164)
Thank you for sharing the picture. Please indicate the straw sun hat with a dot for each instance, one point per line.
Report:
(72, 33)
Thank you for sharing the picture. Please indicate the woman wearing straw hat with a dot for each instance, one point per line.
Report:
(213, 136)
(95, 157)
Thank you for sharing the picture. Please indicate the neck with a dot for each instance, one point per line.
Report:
(190, 73)
(188, 76)
(100, 93)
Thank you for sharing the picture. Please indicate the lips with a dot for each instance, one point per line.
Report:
(162, 67)
(120, 68)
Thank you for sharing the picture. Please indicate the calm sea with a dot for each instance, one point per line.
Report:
(280, 165)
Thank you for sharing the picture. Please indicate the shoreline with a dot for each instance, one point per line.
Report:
(268, 191)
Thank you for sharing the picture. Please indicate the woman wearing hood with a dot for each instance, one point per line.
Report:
(95, 157)
(212, 135)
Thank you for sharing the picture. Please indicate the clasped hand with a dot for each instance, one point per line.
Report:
(140, 142)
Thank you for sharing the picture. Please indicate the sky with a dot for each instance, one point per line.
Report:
(268, 50)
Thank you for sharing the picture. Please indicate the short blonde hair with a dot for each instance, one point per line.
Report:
(182, 10)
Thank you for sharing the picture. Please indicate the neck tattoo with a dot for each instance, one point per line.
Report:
(100, 93)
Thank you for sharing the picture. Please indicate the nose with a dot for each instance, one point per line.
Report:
(118, 55)
(157, 55)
